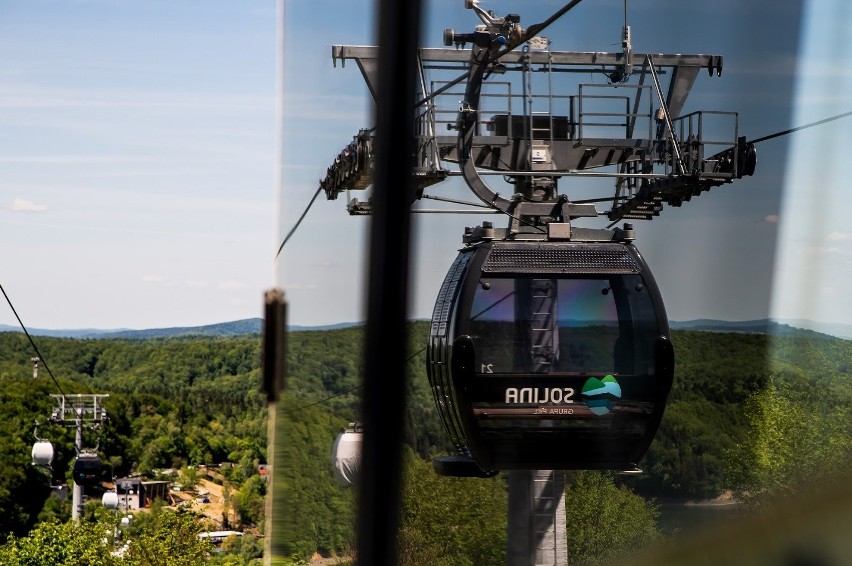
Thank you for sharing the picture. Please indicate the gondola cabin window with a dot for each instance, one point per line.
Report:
(594, 325)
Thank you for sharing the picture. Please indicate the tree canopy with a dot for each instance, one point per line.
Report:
(748, 412)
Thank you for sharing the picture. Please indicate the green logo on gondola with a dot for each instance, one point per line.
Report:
(599, 393)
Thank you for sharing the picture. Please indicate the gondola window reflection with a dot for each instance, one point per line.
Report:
(555, 325)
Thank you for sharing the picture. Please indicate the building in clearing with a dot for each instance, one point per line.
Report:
(133, 493)
(216, 537)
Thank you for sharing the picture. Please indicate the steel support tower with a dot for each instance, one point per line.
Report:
(76, 411)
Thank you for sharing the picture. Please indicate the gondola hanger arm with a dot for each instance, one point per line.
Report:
(519, 36)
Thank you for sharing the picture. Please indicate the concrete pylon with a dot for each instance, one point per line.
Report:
(536, 523)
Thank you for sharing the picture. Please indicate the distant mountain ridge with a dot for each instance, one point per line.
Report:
(255, 326)
(779, 327)
(233, 328)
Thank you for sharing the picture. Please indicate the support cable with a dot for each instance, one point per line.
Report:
(32, 342)
(791, 130)
(299, 221)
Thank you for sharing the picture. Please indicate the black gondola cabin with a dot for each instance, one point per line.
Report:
(87, 469)
(549, 355)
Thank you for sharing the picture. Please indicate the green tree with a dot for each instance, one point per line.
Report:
(250, 500)
(792, 442)
(163, 538)
(189, 477)
(171, 539)
(52, 543)
(605, 520)
(236, 550)
(447, 521)
(24, 488)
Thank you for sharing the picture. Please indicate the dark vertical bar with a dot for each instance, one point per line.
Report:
(386, 341)
(274, 343)
(274, 359)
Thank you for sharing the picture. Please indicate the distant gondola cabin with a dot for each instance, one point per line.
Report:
(87, 469)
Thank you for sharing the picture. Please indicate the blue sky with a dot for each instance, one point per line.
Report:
(139, 178)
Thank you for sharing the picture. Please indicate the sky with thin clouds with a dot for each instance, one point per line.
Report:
(815, 244)
(139, 159)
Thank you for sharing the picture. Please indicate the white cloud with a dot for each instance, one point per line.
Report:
(21, 205)
(153, 278)
(839, 237)
(842, 252)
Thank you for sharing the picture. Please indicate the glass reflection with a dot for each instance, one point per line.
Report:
(576, 325)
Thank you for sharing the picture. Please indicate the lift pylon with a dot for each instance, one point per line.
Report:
(78, 411)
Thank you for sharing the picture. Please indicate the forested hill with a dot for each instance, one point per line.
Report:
(190, 400)
(767, 326)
